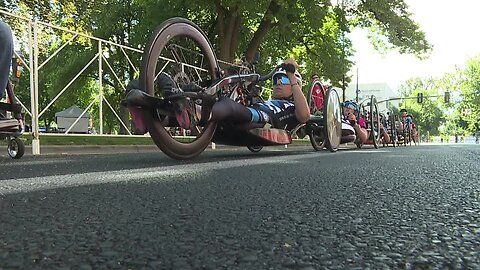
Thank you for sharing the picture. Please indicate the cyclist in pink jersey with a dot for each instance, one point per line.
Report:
(352, 123)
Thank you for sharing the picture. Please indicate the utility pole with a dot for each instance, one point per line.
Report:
(357, 90)
(343, 49)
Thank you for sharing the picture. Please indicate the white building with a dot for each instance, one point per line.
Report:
(66, 118)
(382, 92)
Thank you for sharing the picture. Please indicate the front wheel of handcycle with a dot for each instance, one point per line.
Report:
(15, 148)
(178, 49)
(374, 122)
(255, 149)
(332, 113)
(317, 137)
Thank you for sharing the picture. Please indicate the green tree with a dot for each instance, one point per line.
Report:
(470, 92)
(428, 115)
(313, 31)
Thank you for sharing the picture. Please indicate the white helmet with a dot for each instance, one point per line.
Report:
(282, 71)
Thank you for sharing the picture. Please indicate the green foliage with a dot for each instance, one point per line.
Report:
(461, 115)
(469, 107)
(390, 19)
(312, 31)
(428, 115)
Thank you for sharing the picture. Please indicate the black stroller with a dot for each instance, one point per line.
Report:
(11, 117)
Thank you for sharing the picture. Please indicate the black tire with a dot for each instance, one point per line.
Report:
(255, 149)
(359, 145)
(317, 137)
(384, 123)
(393, 131)
(16, 148)
(161, 43)
(374, 122)
(409, 134)
(311, 95)
(332, 113)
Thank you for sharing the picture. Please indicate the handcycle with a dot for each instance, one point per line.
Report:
(388, 122)
(369, 112)
(179, 47)
(405, 134)
(12, 122)
(316, 98)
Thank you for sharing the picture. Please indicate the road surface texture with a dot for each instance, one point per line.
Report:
(414, 207)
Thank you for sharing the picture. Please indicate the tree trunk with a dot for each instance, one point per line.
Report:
(262, 31)
(229, 24)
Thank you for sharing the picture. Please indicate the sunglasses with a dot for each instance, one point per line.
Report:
(282, 77)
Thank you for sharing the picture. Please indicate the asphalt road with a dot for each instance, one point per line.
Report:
(403, 208)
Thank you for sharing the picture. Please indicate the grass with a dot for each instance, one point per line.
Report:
(88, 140)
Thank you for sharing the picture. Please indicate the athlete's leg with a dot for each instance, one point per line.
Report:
(228, 110)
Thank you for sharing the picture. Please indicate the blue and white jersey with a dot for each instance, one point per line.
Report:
(279, 112)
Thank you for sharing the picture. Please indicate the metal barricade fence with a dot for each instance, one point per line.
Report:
(30, 46)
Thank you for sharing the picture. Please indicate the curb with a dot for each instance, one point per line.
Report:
(114, 149)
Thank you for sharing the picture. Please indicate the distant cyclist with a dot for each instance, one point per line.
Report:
(352, 123)
(406, 120)
(413, 129)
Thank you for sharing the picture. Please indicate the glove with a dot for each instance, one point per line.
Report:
(192, 87)
(133, 84)
(288, 67)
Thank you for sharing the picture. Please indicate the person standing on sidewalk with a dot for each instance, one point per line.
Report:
(6, 54)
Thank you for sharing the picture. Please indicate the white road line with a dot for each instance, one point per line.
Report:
(21, 185)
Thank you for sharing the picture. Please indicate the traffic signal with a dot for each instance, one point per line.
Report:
(446, 97)
(420, 97)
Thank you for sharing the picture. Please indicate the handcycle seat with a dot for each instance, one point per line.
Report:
(348, 138)
(9, 124)
(276, 135)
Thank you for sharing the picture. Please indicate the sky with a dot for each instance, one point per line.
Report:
(450, 26)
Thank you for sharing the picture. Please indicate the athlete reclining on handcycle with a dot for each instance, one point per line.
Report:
(352, 123)
(287, 109)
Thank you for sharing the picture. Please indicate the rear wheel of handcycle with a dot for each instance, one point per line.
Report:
(374, 122)
(255, 149)
(359, 145)
(316, 92)
(409, 134)
(332, 113)
(315, 133)
(393, 131)
(181, 49)
(15, 148)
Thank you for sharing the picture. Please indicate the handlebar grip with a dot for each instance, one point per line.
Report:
(268, 76)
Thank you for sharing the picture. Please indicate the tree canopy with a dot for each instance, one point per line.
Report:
(458, 116)
(312, 31)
